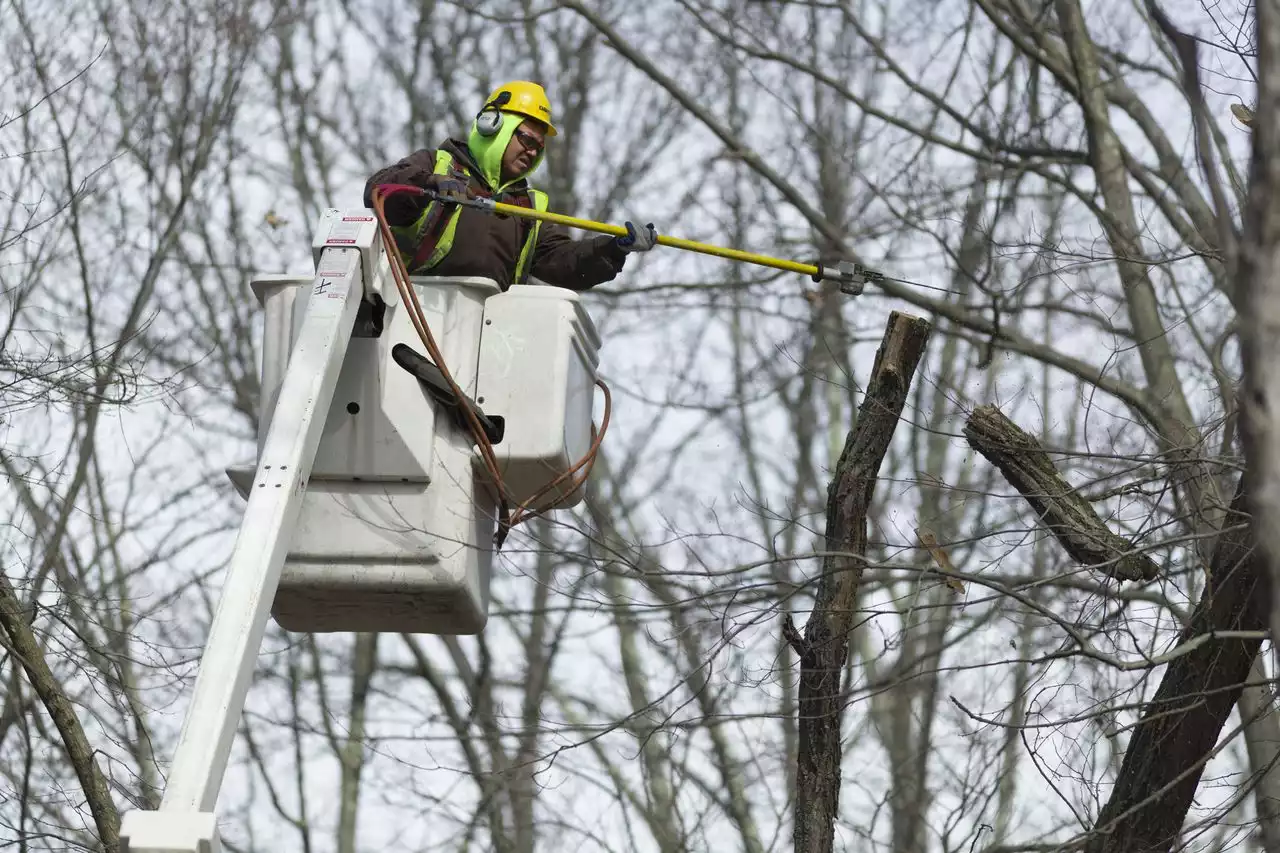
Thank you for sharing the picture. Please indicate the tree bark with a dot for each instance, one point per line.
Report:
(1179, 727)
(1262, 743)
(1064, 512)
(824, 648)
(1259, 268)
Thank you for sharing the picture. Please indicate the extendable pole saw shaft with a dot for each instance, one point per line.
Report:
(850, 276)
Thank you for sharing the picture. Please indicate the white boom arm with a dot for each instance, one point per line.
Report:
(185, 821)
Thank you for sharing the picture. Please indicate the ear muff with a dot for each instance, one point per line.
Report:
(489, 119)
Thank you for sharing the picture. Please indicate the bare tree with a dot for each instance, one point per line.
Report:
(117, 120)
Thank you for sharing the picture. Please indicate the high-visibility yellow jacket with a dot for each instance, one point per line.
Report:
(481, 243)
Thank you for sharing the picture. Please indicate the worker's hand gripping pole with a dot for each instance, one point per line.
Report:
(185, 821)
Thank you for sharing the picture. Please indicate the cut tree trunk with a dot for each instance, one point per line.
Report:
(824, 648)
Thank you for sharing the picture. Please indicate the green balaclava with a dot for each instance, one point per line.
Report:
(488, 151)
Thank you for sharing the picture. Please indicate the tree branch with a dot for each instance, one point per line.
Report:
(824, 647)
(61, 709)
(1063, 510)
(1007, 339)
(1181, 724)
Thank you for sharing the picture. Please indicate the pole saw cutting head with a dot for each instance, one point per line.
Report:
(851, 277)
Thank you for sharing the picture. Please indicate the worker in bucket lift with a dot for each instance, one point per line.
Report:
(506, 144)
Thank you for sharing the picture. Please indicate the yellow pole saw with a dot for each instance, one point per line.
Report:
(850, 276)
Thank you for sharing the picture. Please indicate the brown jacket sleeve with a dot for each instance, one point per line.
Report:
(414, 169)
(560, 260)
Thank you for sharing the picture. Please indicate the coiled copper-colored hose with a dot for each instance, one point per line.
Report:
(506, 520)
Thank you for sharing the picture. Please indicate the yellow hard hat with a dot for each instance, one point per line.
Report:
(524, 98)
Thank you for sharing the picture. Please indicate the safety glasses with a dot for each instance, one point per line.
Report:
(531, 143)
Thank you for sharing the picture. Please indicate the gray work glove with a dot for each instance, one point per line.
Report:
(637, 239)
(444, 185)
